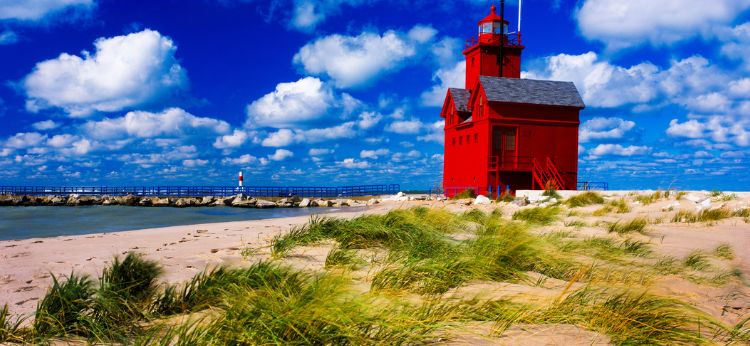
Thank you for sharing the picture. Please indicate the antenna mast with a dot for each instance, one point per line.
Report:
(520, 2)
(500, 58)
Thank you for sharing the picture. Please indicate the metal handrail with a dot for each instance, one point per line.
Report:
(203, 191)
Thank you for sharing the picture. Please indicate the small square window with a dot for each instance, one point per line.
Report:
(476, 138)
(460, 140)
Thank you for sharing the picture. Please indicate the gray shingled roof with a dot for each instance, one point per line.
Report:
(460, 98)
(530, 91)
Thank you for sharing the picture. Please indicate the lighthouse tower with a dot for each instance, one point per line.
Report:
(502, 132)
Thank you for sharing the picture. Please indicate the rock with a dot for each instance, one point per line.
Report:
(72, 200)
(185, 202)
(320, 203)
(206, 201)
(56, 200)
(128, 200)
(243, 203)
(482, 200)
(223, 201)
(373, 201)
(400, 194)
(295, 199)
(704, 205)
(304, 203)
(670, 206)
(284, 203)
(520, 201)
(160, 202)
(264, 204)
(145, 202)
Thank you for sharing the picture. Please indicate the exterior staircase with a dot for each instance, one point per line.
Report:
(546, 175)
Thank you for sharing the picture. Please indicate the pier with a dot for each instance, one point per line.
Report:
(205, 191)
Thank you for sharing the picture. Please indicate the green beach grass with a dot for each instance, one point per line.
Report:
(404, 302)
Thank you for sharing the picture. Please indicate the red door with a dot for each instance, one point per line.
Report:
(505, 146)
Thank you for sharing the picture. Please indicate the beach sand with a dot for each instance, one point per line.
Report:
(26, 265)
(183, 251)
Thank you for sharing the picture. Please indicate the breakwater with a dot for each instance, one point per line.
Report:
(237, 201)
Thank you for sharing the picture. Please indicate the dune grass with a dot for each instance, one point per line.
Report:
(10, 329)
(468, 193)
(538, 215)
(584, 199)
(619, 206)
(706, 215)
(724, 251)
(651, 198)
(637, 225)
(270, 303)
(630, 317)
(109, 312)
(63, 310)
(696, 260)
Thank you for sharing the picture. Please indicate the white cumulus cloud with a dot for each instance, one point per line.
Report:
(373, 154)
(45, 125)
(445, 77)
(33, 10)
(353, 61)
(172, 122)
(233, 140)
(280, 155)
(622, 24)
(124, 71)
(292, 103)
(619, 150)
(604, 128)
(405, 127)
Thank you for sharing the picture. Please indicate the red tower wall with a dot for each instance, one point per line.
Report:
(481, 60)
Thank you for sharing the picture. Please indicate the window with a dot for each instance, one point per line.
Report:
(468, 139)
(510, 140)
(453, 141)
(476, 138)
(472, 61)
(460, 140)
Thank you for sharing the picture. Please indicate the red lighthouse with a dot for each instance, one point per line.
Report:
(503, 132)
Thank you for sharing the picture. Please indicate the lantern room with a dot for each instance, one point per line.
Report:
(502, 132)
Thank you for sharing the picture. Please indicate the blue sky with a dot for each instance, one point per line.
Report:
(335, 92)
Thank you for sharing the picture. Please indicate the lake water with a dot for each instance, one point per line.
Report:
(32, 222)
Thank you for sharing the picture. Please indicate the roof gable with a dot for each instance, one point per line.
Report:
(531, 91)
(460, 98)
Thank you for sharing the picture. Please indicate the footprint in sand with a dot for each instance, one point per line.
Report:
(5, 279)
(26, 301)
(21, 254)
(11, 245)
(37, 242)
(25, 289)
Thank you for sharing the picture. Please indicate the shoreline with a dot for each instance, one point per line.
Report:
(183, 251)
(25, 222)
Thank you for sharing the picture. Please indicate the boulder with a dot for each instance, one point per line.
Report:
(206, 201)
(284, 203)
(482, 200)
(520, 201)
(56, 200)
(295, 199)
(185, 202)
(304, 203)
(264, 204)
(239, 202)
(160, 202)
(145, 202)
(373, 201)
(222, 201)
(128, 200)
(72, 200)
